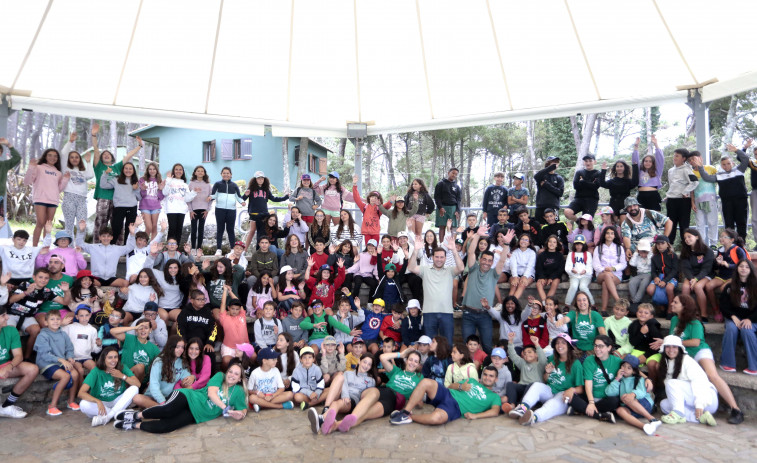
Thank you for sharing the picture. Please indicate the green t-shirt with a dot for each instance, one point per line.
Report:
(102, 385)
(619, 329)
(694, 330)
(322, 332)
(9, 340)
(134, 352)
(203, 409)
(403, 382)
(55, 286)
(477, 400)
(593, 373)
(584, 328)
(561, 379)
(100, 168)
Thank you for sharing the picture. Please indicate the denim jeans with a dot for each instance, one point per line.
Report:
(441, 324)
(482, 322)
(748, 337)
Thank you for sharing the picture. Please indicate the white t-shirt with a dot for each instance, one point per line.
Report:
(267, 382)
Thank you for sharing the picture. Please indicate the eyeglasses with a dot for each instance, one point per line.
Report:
(598, 346)
(172, 244)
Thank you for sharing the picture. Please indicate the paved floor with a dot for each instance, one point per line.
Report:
(283, 436)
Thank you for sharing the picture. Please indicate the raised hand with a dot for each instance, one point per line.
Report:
(108, 170)
(354, 179)
(163, 224)
(205, 264)
(153, 297)
(32, 162)
(4, 142)
(140, 142)
(418, 242)
(138, 221)
(509, 236)
(49, 226)
(155, 247)
(731, 147)
(484, 303)
(534, 340)
(64, 286)
(654, 141)
(637, 143)
(311, 262)
(72, 137)
(483, 230)
(604, 165)
(95, 129)
(340, 262)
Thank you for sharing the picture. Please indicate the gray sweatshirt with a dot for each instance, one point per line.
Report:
(292, 326)
(51, 346)
(308, 380)
(330, 365)
(309, 199)
(104, 259)
(298, 262)
(124, 195)
(529, 372)
(355, 383)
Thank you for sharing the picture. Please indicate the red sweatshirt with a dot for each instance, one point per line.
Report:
(324, 290)
(535, 327)
(371, 214)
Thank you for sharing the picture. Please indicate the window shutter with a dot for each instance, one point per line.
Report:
(322, 166)
(227, 150)
(213, 150)
(246, 148)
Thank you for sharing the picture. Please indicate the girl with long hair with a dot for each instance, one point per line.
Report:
(259, 193)
(47, 182)
(609, 261)
(578, 266)
(271, 230)
(151, 190)
(177, 194)
(145, 289)
(126, 197)
(522, 266)
(435, 366)
(347, 229)
(294, 256)
(738, 301)
(696, 263)
(226, 195)
(371, 226)
(398, 215)
(417, 195)
(650, 175)
(75, 193)
(731, 252)
(200, 366)
(170, 302)
(168, 368)
(319, 228)
(297, 225)
(585, 324)
(622, 180)
(334, 195)
(664, 268)
(510, 317)
(199, 208)
(306, 199)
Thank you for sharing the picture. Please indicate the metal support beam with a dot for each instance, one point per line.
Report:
(701, 121)
(359, 172)
(5, 112)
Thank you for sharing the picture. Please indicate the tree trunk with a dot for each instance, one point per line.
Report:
(23, 146)
(597, 133)
(408, 142)
(586, 134)
(36, 136)
(386, 146)
(13, 128)
(468, 169)
(285, 159)
(114, 137)
(730, 122)
(616, 134)
(367, 158)
(342, 148)
(576, 132)
(434, 153)
(303, 157)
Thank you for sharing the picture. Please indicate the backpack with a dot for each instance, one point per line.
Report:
(329, 328)
(733, 253)
(573, 256)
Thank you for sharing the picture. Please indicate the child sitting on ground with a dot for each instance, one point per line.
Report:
(629, 386)
(84, 338)
(333, 361)
(307, 380)
(411, 328)
(55, 359)
(266, 386)
(531, 363)
(499, 361)
(477, 354)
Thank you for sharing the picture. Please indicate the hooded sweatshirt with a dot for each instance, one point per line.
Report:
(51, 346)
(197, 323)
(308, 380)
(104, 259)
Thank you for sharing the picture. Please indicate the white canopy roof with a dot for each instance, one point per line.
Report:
(306, 67)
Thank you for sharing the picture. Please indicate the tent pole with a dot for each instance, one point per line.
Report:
(359, 171)
(701, 120)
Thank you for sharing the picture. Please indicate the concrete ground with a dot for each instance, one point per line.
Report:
(284, 436)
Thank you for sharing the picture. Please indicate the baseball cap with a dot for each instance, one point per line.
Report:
(83, 273)
(358, 341)
(499, 352)
(607, 210)
(329, 340)
(285, 269)
(240, 243)
(334, 174)
(305, 177)
(519, 176)
(259, 174)
(401, 234)
(373, 243)
(549, 209)
(644, 245)
(579, 239)
(631, 360)
(150, 307)
(388, 267)
(325, 267)
(661, 239)
(588, 156)
(307, 350)
(379, 301)
(588, 217)
(459, 241)
(267, 354)
(552, 158)
(247, 348)
(423, 340)
(316, 302)
(83, 306)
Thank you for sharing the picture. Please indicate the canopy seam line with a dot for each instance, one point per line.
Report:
(675, 42)
(357, 64)
(128, 52)
(289, 69)
(583, 52)
(213, 60)
(499, 55)
(423, 55)
(31, 45)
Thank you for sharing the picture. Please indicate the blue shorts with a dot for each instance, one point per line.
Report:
(316, 342)
(49, 372)
(644, 403)
(150, 211)
(446, 402)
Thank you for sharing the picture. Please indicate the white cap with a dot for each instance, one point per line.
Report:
(401, 234)
(423, 340)
(285, 269)
(259, 174)
(372, 243)
(413, 304)
(672, 340)
(644, 246)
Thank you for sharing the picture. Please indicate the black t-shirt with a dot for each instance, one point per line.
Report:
(30, 304)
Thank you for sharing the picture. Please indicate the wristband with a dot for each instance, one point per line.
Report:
(399, 355)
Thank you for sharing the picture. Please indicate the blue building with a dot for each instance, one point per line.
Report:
(244, 154)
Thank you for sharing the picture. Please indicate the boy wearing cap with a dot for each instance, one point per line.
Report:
(374, 317)
(504, 376)
(266, 386)
(19, 259)
(637, 286)
(352, 359)
(307, 380)
(84, 338)
(586, 184)
(389, 288)
(495, 198)
(159, 331)
(517, 197)
(551, 187)
(682, 183)
(236, 256)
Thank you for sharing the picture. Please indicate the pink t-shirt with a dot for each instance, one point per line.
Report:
(234, 329)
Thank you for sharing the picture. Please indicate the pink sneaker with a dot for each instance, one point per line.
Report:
(328, 421)
(348, 422)
(53, 411)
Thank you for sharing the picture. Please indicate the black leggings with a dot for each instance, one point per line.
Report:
(515, 392)
(358, 281)
(735, 214)
(172, 415)
(605, 404)
(679, 212)
(197, 229)
(225, 219)
(175, 226)
(122, 218)
(650, 200)
(416, 285)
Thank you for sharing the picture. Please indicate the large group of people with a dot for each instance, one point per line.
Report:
(353, 320)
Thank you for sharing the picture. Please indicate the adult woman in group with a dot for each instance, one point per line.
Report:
(225, 394)
(599, 371)
(382, 401)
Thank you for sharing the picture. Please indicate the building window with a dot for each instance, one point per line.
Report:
(312, 163)
(237, 149)
(209, 151)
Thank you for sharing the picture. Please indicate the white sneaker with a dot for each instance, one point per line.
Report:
(100, 420)
(12, 411)
(651, 427)
(218, 253)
